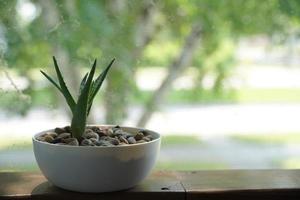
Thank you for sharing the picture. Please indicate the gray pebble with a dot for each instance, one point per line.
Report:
(104, 138)
(131, 140)
(63, 136)
(86, 142)
(57, 140)
(122, 139)
(59, 130)
(146, 133)
(93, 140)
(127, 135)
(104, 143)
(114, 141)
(67, 129)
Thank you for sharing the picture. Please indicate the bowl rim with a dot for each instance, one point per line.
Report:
(97, 147)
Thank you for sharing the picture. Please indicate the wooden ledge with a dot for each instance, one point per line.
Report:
(223, 184)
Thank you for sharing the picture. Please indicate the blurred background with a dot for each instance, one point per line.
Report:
(220, 80)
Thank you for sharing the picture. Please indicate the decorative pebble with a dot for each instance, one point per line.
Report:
(98, 131)
(117, 132)
(114, 141)
(90, 134)
(48, 138)
(146, 133)
(139, 136)
(104, 143)
(63, 136)
(150, 136)
(147, 139)
(71, 141)
(110, 131)
(67, 129)
(96, 136)
(53, 134)
(122, 139)
(57, 140)
(127, 135)
(74, 143)
(59, 130)
(104, 138)
(86, 142)
(41, 138)
(131, 140)
(93, 140)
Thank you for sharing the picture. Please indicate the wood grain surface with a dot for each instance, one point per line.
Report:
(210, 185)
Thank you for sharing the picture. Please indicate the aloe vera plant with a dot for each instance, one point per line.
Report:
(87, 92)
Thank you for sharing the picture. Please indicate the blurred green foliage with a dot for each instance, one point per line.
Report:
(143, 33)
(265, 139)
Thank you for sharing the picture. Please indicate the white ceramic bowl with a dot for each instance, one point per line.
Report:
(96, 169)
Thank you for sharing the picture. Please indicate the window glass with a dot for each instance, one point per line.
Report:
(219, 80)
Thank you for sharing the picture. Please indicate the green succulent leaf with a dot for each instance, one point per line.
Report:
(97, 85)
(51, 80)
(65, 91)
(80, 114)
(83, 82)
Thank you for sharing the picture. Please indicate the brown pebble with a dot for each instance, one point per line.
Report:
(74, 142)
(41, 138)
(131, 140)
(48, 138)
(67, 129)
(63, 136)
(53, 134)
(139, 136)
(122, 139)
(59, 130)
(140, 141)
(98, 131)
(71, 141)
(110, 131)
(90, 134)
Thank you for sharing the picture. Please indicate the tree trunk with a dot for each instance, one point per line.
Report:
(145, 29)
(118, 85)
(179, 64)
